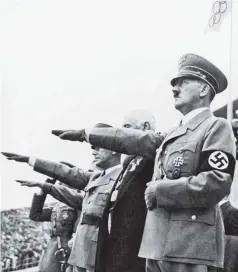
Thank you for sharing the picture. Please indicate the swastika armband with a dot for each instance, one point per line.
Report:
(217, 160)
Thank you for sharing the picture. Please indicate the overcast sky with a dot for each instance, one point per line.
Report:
(70, 64)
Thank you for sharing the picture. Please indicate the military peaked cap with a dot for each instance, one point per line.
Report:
(191, 65)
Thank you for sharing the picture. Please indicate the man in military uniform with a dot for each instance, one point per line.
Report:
(68, 198)
(194, 167)
(97, 187)
(62, 218)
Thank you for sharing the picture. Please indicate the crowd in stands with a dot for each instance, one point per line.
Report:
(22, 240)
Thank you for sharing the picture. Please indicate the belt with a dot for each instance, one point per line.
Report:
(90, 219)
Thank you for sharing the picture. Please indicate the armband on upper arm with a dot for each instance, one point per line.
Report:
(217, 160)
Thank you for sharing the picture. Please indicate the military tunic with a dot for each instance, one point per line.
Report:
(62, 218)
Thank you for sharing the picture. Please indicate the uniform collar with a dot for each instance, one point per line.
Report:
(110, 174)
(191, 124)
(187, 117)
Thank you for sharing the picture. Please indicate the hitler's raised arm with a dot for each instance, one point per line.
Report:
(122, 140)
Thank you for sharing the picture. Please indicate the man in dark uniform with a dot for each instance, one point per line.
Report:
(194, 167)
(126, 208)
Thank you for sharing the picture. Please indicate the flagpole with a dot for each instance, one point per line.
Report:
(230, 103)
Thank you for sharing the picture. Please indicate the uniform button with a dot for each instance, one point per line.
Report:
(193, 217)
(89, 202)
(165, 152)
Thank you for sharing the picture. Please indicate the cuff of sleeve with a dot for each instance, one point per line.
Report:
(32, 161)
(39, 192)
(46, 187)
(173, 194)
(87, 133)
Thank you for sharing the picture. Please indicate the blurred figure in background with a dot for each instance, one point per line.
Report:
(63, 219)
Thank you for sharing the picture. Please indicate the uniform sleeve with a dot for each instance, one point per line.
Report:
(37, 212)
(230, 216)
(66, 195)
(215, 174)
(126, 140)
(74, 177)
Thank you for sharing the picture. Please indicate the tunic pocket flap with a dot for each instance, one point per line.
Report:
(181, 146)
(207, 216)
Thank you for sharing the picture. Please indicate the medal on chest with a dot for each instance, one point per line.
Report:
(177, 162)
(65, 215)
(134, 163)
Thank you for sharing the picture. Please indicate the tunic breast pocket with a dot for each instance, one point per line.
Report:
(181, 158)
(101, 199)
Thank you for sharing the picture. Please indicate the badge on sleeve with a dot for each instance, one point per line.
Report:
(217, 160)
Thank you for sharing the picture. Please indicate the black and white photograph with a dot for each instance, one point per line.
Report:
(119, 135)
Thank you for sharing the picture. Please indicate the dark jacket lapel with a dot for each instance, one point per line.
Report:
(129, 177)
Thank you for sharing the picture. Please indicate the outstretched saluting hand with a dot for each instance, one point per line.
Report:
(30, 183)
(15, 157)
(70, 135)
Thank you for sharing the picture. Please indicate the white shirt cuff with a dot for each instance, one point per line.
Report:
(32, 161)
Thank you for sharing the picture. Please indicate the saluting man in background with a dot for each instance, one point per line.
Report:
(97, 187)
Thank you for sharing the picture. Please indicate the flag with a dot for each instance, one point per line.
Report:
(218, 11)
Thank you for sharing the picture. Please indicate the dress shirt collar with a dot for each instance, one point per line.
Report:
(187, 117)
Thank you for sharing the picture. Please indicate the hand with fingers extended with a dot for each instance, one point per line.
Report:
(15, 157)
(30, 183)
(70, 135)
